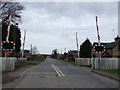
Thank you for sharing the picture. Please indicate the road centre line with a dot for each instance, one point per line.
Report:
(57, 70)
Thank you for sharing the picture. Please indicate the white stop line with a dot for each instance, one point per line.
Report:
(57, 70)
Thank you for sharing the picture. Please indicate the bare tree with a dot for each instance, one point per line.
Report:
(54, 53)
(34, 50)
(8, 5)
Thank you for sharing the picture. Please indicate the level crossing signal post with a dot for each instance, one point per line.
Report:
(8, 46)
(99, 48)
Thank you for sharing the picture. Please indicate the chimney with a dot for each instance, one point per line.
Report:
(117, 38)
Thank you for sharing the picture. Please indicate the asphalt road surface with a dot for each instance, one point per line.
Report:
(55, 74)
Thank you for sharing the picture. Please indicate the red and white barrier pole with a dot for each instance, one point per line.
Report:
(97, 30)
(8, 29)
(98, 35)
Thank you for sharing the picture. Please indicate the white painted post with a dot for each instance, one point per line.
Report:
(77, 45)
(23, 44)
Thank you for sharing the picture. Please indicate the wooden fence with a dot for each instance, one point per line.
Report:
(8, 63)
(83, 61)
(96, 63)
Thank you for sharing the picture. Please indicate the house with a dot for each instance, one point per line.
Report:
(73, 53)
(27, 53)
(112, 48)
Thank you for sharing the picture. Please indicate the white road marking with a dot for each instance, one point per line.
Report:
(57, 70)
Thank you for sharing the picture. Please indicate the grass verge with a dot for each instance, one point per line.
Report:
(35, 61)
(31, 63)
(70, 62)
(113, 71)
(39, 59)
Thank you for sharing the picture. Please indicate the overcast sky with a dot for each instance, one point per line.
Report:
(52, 25)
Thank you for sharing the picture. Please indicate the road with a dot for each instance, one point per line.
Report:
(55, 74)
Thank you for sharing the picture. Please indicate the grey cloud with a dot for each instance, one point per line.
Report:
(56, 23)
(75, 9)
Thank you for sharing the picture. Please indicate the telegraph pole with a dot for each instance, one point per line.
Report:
(113, 34)
(31, 48)
(61, 52)
(65, 50)
(65, 53)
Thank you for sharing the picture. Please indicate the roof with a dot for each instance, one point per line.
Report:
(106, 54)
(96, 43)
(73, 51)
(110, 45)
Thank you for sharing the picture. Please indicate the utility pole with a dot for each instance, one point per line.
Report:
(113, 34)
(65, 50)
(23, 44)
(31, 49)
(65, 54)
(77, 45)
(61, 52)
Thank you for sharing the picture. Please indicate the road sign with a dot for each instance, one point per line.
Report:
(99, 49)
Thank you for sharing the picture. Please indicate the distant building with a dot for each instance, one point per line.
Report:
(73, 53)
(112, 48)
(44, 55)
(27, 53)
